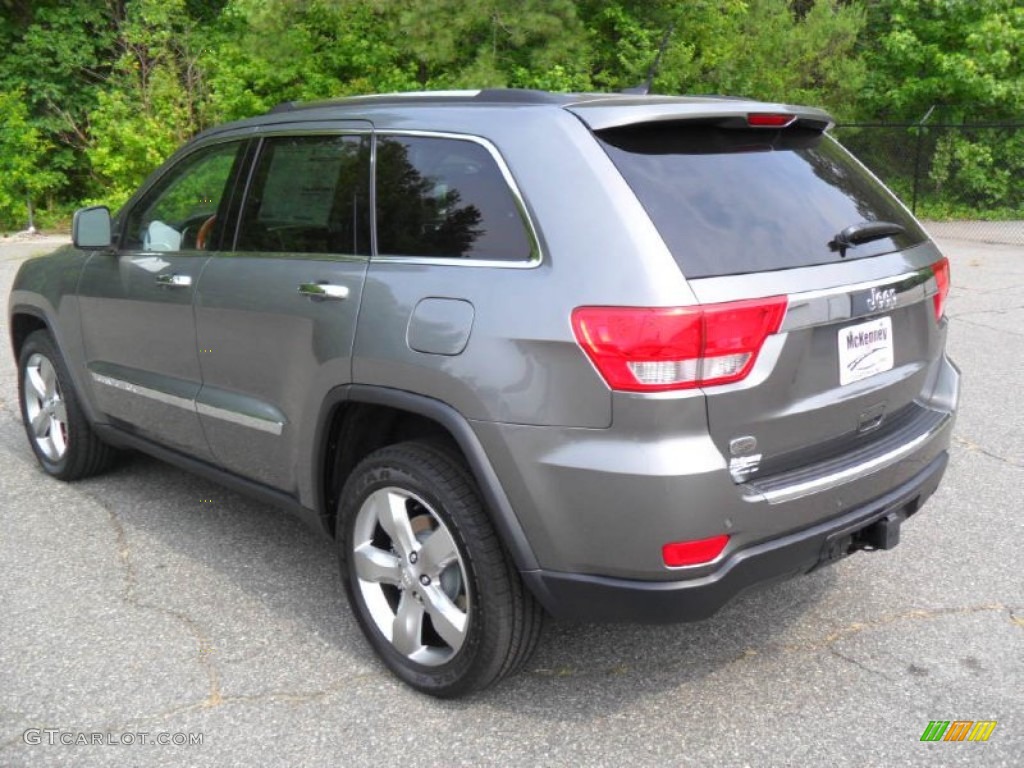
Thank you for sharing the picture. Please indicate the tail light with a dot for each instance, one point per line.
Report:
(941, 272)
(679, 553)
(657, 349)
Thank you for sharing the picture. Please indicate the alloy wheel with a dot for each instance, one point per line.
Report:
(45, 408)
(411, 576)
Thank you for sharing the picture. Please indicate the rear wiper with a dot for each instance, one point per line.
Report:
(865, 232)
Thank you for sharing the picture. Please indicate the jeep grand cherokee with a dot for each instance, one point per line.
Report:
(603, 357)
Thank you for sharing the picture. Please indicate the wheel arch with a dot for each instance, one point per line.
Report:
(356, 419)
(25, 320)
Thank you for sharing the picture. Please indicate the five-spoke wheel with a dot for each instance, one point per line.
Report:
(44, 407)
(57, 429)
(411, 576)
(430, 583)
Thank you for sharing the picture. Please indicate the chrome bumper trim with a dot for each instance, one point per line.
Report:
(780, 495)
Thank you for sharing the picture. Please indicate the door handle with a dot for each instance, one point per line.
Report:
(324, 291)
(174, 281)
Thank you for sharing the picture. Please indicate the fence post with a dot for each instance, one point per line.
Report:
(917, 158)
(31, 215)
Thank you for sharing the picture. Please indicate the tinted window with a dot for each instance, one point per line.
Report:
(734, 201)
(179, 213)
(445, 197)
(310, 194)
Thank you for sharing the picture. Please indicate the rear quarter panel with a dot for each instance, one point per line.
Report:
(522, 364)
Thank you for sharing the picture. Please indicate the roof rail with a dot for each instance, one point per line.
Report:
(509, 96)
(519, 96)
(486, 95)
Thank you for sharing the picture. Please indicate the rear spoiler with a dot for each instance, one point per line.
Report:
(604, 114)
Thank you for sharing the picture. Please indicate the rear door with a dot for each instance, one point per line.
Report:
(276, 313)
(750, 212)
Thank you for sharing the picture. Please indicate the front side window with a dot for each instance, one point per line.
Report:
(309, 194)
(180, 212)
(441, 197)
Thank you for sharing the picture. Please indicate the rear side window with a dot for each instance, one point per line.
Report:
(444, 197)
(733, 201)
(310, 194)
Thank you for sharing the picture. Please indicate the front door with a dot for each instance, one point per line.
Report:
(276, 314)
(136, 301)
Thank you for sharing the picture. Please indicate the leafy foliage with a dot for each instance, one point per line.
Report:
(967, 56)
(96, 93)
(23, 153)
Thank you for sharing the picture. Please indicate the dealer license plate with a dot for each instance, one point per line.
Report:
(865, 349)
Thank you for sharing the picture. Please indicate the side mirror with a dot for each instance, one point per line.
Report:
(90, 229)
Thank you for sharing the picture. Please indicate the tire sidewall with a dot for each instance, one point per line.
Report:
(454, 675)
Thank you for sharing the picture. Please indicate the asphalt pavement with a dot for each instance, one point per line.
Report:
(148, 605)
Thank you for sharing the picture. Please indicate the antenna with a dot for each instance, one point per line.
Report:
(645, 87)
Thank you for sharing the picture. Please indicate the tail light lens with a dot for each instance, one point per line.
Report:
(941, 272)
(769, 120)
(667, 348)
(679, 553)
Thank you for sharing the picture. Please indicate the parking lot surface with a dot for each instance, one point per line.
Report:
(150, 602)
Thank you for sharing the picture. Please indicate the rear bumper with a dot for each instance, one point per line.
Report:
(603, 502)
(596, 598)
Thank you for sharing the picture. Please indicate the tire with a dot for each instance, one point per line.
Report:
(426, 575)
(57, 429)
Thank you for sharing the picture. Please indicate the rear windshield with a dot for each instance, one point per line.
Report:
(732, 201)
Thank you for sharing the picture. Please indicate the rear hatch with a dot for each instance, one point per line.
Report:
(755, 202)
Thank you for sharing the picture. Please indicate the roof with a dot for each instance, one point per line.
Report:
(497, 96)
(469, 109)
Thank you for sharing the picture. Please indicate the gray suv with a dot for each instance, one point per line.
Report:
(603, 357)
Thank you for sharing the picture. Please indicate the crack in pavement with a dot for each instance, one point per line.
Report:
(204, 647)
(860, 665)
(970, 445)
(917, 614)
(290, 697)
(825, 644)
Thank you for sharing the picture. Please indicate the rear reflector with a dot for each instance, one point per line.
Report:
(941, 271)
(666, 348)
(769, 120)
(679, 553)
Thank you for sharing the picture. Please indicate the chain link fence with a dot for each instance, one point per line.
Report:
(965, 180)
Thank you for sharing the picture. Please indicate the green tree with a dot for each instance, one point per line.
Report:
(767, 49)
(153, 100)
(769, 52)
(57, 53)
(964, 58)
(264, 52)
(23, 155)
(108, 88)
(492, 43)
(967, 56)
